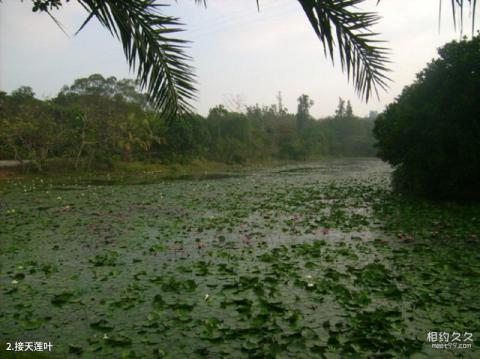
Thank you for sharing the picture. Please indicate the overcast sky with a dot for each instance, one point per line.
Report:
(238, 52)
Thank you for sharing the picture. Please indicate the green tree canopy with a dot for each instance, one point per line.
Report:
(23, 92)
(110, 87)
(303, 111)
(430, 134)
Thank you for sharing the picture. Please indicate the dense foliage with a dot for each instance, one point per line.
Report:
(98, 121)
(431, 132)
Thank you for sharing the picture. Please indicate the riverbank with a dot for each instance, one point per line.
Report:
(140, 172)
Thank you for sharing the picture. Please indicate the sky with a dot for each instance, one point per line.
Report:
(242, 56)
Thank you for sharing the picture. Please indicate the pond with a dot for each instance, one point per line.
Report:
(303, 261)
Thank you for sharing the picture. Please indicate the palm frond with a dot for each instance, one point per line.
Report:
(338, 24)
(459, 4)
(160, 60)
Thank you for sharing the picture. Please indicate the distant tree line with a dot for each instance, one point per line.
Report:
(98, 121)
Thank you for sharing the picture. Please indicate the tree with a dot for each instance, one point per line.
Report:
(430, 133)
(349, 110)
(97, 85)
(108, 120)
(340, 111)
(343, 111)
(23, 93)
(281, 110)
(303, 111)
(31, 129)
(304, 105)
(372, 115)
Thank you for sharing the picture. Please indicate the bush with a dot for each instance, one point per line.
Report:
(431, 133)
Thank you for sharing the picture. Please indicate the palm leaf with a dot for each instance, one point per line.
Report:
(460, 4)
(160, 60)
(339, 25)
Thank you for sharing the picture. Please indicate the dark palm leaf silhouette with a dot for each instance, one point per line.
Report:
(163, 67)
(338, 24)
